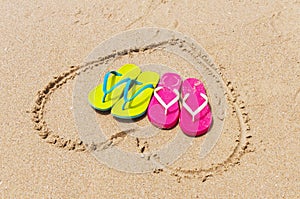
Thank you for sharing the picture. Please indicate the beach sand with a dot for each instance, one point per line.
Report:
(255, 48)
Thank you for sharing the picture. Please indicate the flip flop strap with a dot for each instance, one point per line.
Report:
(161, 101)
(126, 100)
(199, 109)
(105, 81)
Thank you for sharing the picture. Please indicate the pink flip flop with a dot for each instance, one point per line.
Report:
(195, 117)
(163, 109)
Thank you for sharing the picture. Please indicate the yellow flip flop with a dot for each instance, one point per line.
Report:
(135, 100)
(106, 94)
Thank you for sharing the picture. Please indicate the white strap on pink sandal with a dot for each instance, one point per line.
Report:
(166, 106)
(199, 109)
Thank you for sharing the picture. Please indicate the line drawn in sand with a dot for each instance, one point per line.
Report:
(139, 41)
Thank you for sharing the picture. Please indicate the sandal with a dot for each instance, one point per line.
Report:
(195, 117)
(105, 95)
(137, 95)
(164, 110)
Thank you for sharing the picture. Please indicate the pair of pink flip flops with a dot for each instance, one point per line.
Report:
(164, 111)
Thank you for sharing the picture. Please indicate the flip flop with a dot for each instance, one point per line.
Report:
(106, 94)
(136, 98)
(163, 110)
(195, 116)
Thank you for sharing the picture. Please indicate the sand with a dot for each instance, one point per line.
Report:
(48, 52)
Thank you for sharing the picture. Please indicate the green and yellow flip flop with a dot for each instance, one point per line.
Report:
(137, 95)
(106, 94)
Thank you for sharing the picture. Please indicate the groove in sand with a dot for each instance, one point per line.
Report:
(243, 146)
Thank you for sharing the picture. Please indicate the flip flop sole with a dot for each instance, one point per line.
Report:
(157, 114)
(203, 119)
(95, 96)
(138, 106)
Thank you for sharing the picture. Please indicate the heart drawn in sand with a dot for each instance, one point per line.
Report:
(220, 91)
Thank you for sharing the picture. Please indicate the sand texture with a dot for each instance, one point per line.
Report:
(53, 52)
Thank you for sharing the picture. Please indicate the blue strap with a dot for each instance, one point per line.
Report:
(135, 94)
(104, 87)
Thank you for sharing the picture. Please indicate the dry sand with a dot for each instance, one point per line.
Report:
(255, 46)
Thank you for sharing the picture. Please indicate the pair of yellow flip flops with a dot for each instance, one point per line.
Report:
(126, 92)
